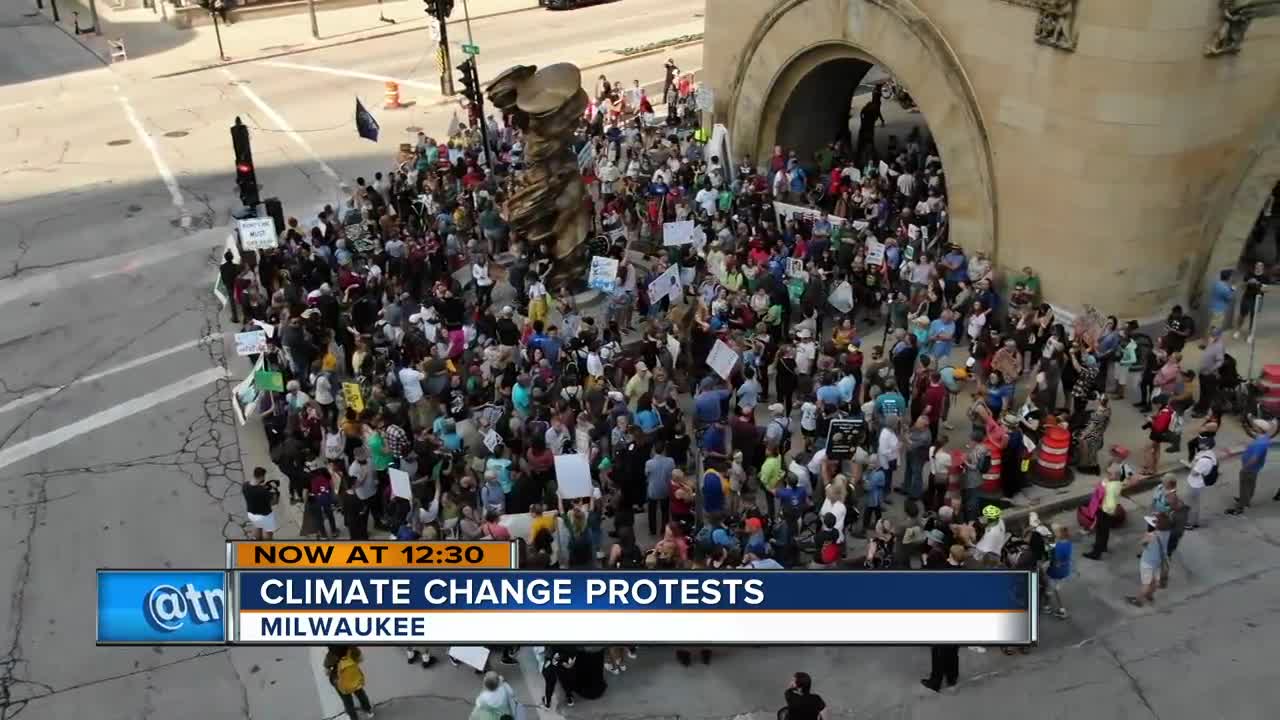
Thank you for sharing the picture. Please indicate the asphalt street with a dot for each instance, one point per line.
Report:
(118, 447)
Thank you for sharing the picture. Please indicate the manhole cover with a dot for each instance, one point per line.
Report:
(135, 208)
(413, 129)
(117, 143)
(177, 133)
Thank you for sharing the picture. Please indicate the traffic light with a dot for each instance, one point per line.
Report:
(439, 9)
(246, 178)
(469, 81)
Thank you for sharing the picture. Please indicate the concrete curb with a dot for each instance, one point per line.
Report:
(646, 53)
(1017, 516)
(338, 43)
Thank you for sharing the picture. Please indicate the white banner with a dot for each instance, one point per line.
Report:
(257, 233)
(787, 211)
(253, 342)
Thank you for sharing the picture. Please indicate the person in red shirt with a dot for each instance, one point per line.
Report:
(935, 399)
(1160, 424)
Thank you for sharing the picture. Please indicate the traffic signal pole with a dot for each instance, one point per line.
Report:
(479, 100)
(439, 10)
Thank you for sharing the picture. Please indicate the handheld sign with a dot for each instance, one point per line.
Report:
(573, 476)
(844, 435)
(678, 233)
(351, 394)
(875, 253)
(722, 359)
(603, 275)
(251, 343)
(258, 233)
(269, 380)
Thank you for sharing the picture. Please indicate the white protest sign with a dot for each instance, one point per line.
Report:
(665, 285)
(722, 359)
(795, 268)
(678, 233)
(687, 276)
(473, 656)
(842, 297)
(786, 211)
(632, 98)
(253, 342)
(573, 476)
(884, 169)
(257, 233)
(603, 274)
(492, 440)
(875, 253)
(705, 98)
(400, 486)
(267, 328)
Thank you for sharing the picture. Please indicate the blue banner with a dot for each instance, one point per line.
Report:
(738, 590)
(162, 607)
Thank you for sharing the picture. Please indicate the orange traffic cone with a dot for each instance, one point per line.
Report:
(392, 95)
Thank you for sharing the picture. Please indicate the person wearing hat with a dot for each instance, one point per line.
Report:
(1118, 473)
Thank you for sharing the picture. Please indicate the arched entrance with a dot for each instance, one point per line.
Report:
(808, 53)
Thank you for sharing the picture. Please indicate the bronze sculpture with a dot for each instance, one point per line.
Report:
(546, 205)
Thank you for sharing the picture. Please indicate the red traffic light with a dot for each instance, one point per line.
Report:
(244, 168)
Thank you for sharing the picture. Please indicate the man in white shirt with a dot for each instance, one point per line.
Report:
(887, 450)
(411, 384)
(907, 184)
(1203, 474)
(706, 199)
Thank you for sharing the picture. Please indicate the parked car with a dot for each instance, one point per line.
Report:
(569, 4)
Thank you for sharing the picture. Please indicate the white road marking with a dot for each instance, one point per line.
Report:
(26, 288)
(162, 167)
(281, 124)
(40, 443)
(94, 377)
(351, 74)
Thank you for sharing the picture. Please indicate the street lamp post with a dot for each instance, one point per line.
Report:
(315, 24)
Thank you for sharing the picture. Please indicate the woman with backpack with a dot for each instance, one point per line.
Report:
(1153, 564)
(342, 665)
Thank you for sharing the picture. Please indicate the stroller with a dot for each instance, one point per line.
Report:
(1233, 391)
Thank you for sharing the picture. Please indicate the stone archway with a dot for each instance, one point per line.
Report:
(800, 36)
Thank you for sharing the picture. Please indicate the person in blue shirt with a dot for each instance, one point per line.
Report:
(1221, 297)
(647, 419)
(709, 402)
(1251, 462)
(713, 442)
(874, 497)
(848, 387)
(829, 394)
(890, 403)
(942, 335)
(798, 179)
(1059, 568)
(957, 266)
(999, 394)
(713, 496)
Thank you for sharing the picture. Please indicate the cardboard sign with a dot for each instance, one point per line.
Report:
(492, 440)
(473, 656)
(678, 233)
(269, 380)
(573, 476)
(722, 359)
(258, 233)
(844, 435)
(400, 486)
(705, 98)
(795, 268)
(875, 253)
(351, 395)
(251, 343)
(603, 274)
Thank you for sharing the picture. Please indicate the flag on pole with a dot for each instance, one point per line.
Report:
(366, 126)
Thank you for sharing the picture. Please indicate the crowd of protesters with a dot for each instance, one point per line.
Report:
(834, 280)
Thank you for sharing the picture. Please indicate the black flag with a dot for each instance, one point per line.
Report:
(366, 126)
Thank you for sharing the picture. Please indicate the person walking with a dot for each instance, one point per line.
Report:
(342, 665)
(1251, 463)
(1204, 473)
(557, 668)
(260, 498)
(1059, 570)
(945, 659)
(1153, 563)
(496, 700)
(657, 472)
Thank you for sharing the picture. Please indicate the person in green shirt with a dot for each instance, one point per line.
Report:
(1030, 282)
(377, 448)
(771, 476)
(724, 201)
(774, 315)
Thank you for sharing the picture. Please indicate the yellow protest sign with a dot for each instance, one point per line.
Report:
(351, 394)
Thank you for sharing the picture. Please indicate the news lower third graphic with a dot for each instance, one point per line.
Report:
(162, 607)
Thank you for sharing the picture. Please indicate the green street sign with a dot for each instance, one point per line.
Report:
(269, 381)
(471, 49)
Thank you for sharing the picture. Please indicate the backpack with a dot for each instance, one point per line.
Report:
(1211, 477)
(348, 677)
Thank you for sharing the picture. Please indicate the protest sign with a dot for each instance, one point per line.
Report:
(573, 476)
(244, 397)
(268, 381)
(351, 395)
(679, 233)
(665, 285)
(844, 435)
(475, 657)
(786, 211)
(253, 342)
(875, 253)
(795, 268)
(257, 233)
(603, 274)
(705, 98)
(400, 486)
(722, 359)
(492, 440)
(842, 297)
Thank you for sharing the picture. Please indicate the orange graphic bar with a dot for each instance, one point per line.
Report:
(302, 554)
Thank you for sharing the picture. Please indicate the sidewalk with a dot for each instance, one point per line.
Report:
(156, 48)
